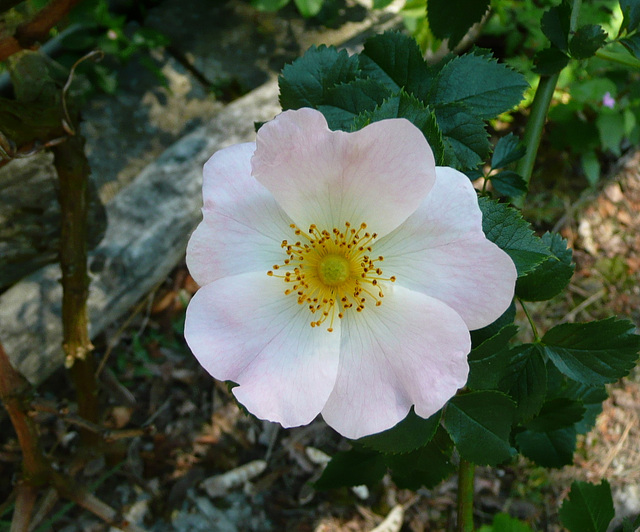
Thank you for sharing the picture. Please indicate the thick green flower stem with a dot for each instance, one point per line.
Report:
(535, 126)
(466, 472)
(73, 172)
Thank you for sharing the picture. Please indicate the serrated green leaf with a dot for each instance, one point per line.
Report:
(589, 507)
(555, 25)
(408, 106)
(632, 44)
(508, 183)
(478, 81)
(524, 379)
(466, 142)
(394, 60)
(631, 15)
(549, 61)
(508, 150)
(427, 466)
(408, 435)
(556, 414)
(548, 449)
(505, 523)
(550, 277)
(479, 423)
(345, 101)
(444, 26)
(352, 468)
(586, 41)
(309, 8)
(306, 81)
(488, 361)
(593, 353)
(481, 335)
(505, 227)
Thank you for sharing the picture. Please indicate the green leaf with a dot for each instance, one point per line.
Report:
(408, 435)
(407, 106)
(479, 423)
(306, 81)
(555, 25)
(589, 507)
(444, 26)
(611, 128)
(505, 523)
(481, 335)
(488, 361)
(557, 414)
(309, 8)
(549, 61)
(426, 466)
(346, 101)
(591, 398)
(591, 167)
(508, 150)
(269, 5)
(478, 81)
(632, 44)
(548, 449)
(352, 468)
(587, 41)
(505, 227)
(466, 143)
(508, 183)
(524, 378)
(631, 15)
(593, 353)
(550, 276)
(629, 525)
(394, 60)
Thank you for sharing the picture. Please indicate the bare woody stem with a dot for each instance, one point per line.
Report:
(466, 472)
(73, 172)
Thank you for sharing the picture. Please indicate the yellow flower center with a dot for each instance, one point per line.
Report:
(332, 272)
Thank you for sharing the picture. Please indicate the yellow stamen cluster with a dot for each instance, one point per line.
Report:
(332, 272)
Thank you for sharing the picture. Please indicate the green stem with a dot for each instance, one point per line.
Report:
(621, 58)
(466, 472)
(533, 325)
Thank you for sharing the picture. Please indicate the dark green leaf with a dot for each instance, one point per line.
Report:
(548, 449)
(479, 423)
(309, 8)
(631, 15)
(427, 466)
(352, 468)
(466, 140)
(525, 379)
(408, 435)
(481, 335)
(505, 227)
(549, 61)
(407, 106)
(589, 507)
(445, 26)
(556, 414)
(593, 353)
(394, 60)
(508, 150)
(555, 25)
(632, 44)
(306, 81)
(488, 361)
(631, 525)
(508, 183)
(346, 101)
(586, 41)
(269, 5)
(550, 276)
(478, 81)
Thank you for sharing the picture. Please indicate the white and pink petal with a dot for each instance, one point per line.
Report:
(377, 175)
(244, 329)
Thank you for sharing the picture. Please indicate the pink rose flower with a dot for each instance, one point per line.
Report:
(340, 274)
(608, 100)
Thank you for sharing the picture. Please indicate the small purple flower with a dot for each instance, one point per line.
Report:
(608, 100)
